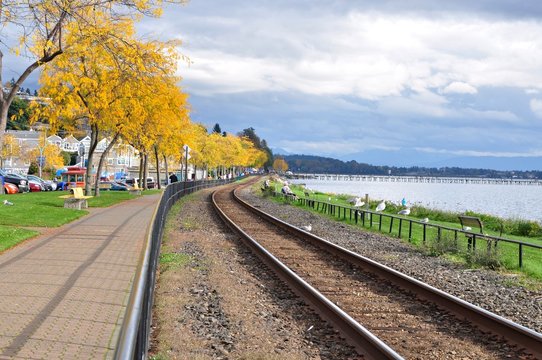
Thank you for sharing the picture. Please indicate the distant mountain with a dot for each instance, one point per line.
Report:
(325, 165)
(411, 158)
(279, 151)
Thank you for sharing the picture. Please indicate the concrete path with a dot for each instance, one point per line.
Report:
(63, 295)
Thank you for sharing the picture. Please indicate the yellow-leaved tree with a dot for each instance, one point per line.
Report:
(10, 148)
(280, 165)
(111, 84)
(52, 155)
(41, 26)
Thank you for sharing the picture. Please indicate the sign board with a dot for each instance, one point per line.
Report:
(81, 150)
(41, 161)
(186, 148)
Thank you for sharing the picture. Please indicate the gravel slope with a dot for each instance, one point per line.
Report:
(488, 289)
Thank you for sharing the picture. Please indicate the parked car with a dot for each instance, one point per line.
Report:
(113, 186)
(15, 179)
(118, 186)
(53, 184)
(35, 186)
(46, 186)
(9, 188)
(150, 182)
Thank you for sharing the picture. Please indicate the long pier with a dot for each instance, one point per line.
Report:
(417, 179)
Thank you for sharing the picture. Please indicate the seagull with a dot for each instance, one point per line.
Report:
(404, 211)
(381, 206)
(7, 202)
(467, 228)
(359, 203)
(425, 220)
(307, 227)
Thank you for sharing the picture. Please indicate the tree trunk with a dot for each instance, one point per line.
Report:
(166, 167)
(145, 170)
(100, 164)
(157, 167)
(141, 163)
(93, 143)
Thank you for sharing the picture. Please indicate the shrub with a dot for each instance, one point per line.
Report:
(527, 228)
(445, 244)
(484, 257)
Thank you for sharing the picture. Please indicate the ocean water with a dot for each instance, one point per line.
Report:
(507, 201)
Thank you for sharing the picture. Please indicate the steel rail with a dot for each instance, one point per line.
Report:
(362, 339)
(511, 331)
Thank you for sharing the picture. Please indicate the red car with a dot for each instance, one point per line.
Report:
(10, 188)
(35, 186)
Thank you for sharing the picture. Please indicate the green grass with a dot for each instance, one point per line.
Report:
(43, 209)
(504, 256)
(170, 261)
(11, 236)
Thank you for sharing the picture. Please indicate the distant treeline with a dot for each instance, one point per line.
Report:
(322, 165)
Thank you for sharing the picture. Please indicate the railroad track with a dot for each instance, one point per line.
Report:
(383, 313)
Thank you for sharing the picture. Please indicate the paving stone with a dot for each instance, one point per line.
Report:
(63, 296)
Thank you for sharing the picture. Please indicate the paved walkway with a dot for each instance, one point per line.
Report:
(63, 296)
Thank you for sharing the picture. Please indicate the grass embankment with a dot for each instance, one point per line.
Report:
(43, 209)
(169, 258)
(504, 256)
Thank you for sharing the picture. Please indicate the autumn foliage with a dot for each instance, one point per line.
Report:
(98, 74)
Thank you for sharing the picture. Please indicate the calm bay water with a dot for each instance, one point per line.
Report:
(507, 201)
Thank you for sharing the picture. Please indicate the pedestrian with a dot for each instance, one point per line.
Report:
(173, 178)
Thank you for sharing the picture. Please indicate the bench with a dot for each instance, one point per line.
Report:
(104, 186)
(468, 223)
(76, 200)
(135, 190)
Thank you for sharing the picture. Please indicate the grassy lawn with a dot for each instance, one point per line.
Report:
(11, 236)
(447, 243)
(44, 209)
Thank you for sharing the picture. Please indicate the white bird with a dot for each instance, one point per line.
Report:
(359, 203)
(7, 202)
(381, 206)
(307, 227)
(467, 228)
(425, 220)
(404, 211)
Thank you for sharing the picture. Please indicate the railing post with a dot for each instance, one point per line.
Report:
(521, 256)
(424, 235)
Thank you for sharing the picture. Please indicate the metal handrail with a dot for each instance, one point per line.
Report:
(133, 340)
(330, 207)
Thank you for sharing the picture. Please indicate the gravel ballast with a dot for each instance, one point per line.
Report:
(488, 289)
(223, 303)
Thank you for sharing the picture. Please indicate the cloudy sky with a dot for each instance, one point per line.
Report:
(386, 82)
